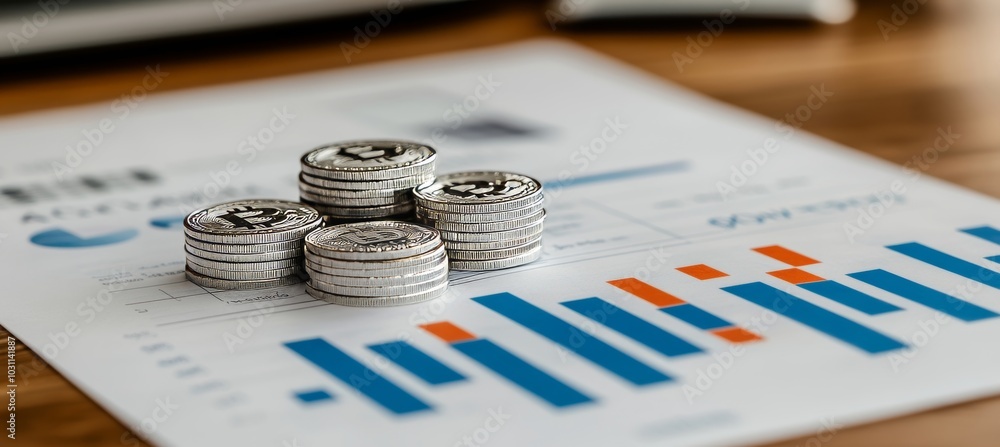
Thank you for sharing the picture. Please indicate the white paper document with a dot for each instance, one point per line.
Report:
(709, 276)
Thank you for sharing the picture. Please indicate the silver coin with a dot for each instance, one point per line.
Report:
(488, 246)
(256, 257)
(389, 267)
(484, 227)
(478, 192)
(460, 217)
(227, 284)
(236, 266)
(244, 276)
(252, 222)
(379, 291)
(398, 300)
(378, 240)
(354, 203)
(492, 254)
(497, 264)
(403, 193)
(365, 272)
(493, 236)
(395, 184)
(369, 160)
(378, 281)
(243, 249)
(368, 212)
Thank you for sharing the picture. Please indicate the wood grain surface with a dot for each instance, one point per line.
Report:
(893, 91)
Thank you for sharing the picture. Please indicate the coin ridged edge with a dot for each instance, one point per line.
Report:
(479, 266)
(226, 284)
(354, 301)
(243, 249)
(479, 217)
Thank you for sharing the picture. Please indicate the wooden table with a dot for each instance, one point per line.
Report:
(893, 91)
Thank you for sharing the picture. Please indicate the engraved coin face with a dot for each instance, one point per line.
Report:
(479, 192)
(252, 222)
(369, 160)
(373, 240)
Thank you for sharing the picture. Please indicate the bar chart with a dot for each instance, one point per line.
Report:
(659, 331)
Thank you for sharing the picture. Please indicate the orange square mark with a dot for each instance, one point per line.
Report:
(448, 332)
(702, 272)
(737, 335)
(647, 292)
(785, 255)
(795, 276)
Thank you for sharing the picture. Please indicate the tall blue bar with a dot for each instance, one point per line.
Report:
(573, 339)
(948, 262)
(849, 297)
(356, 375)
(985, 232)
(695, 316)
(521, 373)
(633, 327)
(816, 317)
(410, 358)
(892, 283)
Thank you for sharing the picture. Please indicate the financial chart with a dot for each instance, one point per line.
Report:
(676, 302)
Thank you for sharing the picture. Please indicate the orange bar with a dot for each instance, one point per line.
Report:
(795, 276)
(448, 332)
(702, 272)
(785, 255)
(647, 292)
(737, 335)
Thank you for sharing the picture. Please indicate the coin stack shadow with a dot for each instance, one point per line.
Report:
(488, 220)
(364, 180)
(234, 246)
(393, 276)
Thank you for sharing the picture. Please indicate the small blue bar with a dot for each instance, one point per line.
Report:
(313, 396)
(633, 327)
(696, 317)
(410, 358)
(849, 297)
(815, 317)
(948, 262)
(994, 258)
(985, 232)
(521, 373)
(356, 375)
(958, 308)
(572, 338)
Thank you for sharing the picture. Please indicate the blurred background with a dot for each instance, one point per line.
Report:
(900, 69)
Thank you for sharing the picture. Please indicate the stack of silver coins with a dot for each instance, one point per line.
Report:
(364, 180)
(376, 264)
(488, 220)
(247, 244)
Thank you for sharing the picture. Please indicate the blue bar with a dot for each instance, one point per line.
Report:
(348, 370)
(958, 308)
(633, 327)
(573, 339)
(313, 396)
(425, 367)
(815, 317)
(624, 174)
(521, 373)
(849, 297)
(948, 262)
(696, 317)
(994, 258)
(985, 232)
